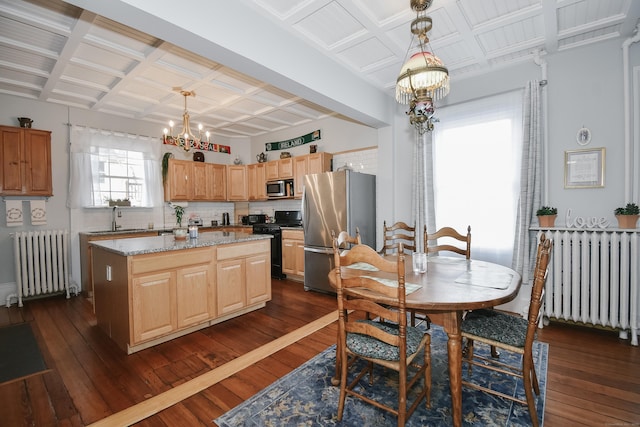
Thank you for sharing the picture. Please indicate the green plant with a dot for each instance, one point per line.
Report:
(179, 212)
(629, 209)
(165, 166)
(546, 210)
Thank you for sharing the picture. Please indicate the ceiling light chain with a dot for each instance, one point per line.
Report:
(423, 78)
(186, 137)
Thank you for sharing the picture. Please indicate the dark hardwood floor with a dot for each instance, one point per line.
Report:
(593, 377)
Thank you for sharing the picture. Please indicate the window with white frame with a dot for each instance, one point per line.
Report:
(111, 166)
(121, 176)
(477, 154)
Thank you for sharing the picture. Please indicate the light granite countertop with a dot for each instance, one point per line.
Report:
(153, 244)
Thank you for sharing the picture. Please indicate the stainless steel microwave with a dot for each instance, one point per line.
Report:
(280, 189)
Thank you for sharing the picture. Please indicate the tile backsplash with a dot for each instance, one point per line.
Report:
(364, 161)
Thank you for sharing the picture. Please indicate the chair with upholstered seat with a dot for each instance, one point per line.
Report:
(445, 240)
(398, 233)
(510, 333)
(390, 343)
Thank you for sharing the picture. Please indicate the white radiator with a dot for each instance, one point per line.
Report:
(41, 264)
(593, 279)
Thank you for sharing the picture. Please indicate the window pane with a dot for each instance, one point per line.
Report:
(476, 177)
(121, 176)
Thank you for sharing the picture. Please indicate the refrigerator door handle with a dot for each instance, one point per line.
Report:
(328, 251)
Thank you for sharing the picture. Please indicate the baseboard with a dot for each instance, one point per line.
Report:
(7, 289)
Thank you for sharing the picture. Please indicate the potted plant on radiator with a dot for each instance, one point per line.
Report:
(628, 215)
(547, 216)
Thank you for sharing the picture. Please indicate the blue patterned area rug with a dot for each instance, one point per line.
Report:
(305, 396)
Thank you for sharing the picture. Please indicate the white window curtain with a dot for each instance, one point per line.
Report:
(532, 176)
(477, 149)
(84, 164)
(422, 187)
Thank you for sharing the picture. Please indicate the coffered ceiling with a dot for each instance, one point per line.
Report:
(53, 51)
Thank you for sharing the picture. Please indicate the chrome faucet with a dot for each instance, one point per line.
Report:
(114, 226)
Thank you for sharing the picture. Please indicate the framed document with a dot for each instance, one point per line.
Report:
(584, 168)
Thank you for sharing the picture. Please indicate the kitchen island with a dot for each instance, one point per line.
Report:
(149, 290)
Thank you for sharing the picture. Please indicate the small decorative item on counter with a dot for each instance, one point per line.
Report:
(547, 216)
(237, 161)
(261, 158)
(313, 148)
(285, 155)
(180, 233)
(627, 216)
(25, 122)
(193, 231)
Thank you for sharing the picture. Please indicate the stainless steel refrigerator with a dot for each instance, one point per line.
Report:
(335, 201)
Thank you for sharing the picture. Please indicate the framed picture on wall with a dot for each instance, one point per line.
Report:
(584, 168)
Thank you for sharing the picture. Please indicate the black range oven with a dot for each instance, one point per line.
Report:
(281, 219)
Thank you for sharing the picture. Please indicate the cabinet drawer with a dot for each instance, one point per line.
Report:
(171, 260)
(243, 249)
(293, 234)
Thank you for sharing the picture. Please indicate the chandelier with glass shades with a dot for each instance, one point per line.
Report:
(186, 137)
(423, 78)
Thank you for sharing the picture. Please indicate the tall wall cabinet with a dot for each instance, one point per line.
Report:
(25, 163)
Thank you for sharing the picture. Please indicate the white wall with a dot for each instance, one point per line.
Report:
(585, 89)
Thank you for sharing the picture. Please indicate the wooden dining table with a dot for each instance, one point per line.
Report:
(450, 287)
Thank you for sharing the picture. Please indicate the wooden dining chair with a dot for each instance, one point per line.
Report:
(345, 241)
(398, 233)
(445, 240)
(389, 344)
(510, 333)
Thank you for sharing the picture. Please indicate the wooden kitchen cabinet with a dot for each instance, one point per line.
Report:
(231, 293)
(271, 170)
(217, 177)
(25, 164)
(188, 180)
(293, 253)
(237, 185)
(200, 184)
(145, 299)
(308, 164)
(256, 175)
(243, 276)
(300, 168)
(153, 298)
(194, 295)
(178, 186)
(258, 276)
(319, 162)
(285, 168)
(279, 169)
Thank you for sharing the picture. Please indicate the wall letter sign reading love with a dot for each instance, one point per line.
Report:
(581, 222)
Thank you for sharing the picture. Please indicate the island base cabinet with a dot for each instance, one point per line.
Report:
(243, 276)
(231, 290)
(195, 295)
(154, 305)
(144, 300)
(258, 273)
(111, 298)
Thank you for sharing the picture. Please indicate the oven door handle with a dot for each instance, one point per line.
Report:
(328, 251)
